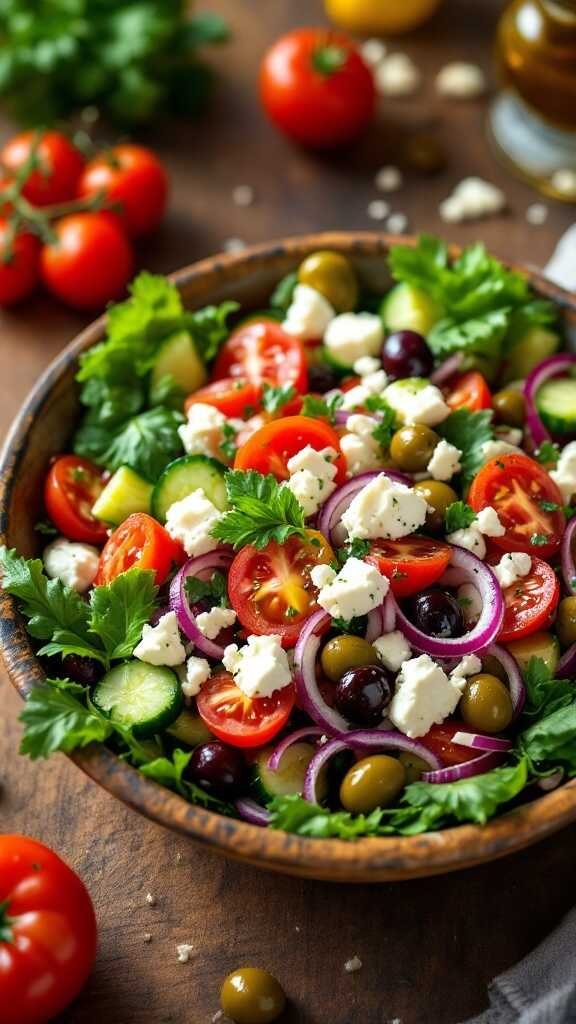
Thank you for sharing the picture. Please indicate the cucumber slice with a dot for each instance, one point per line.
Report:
(397, 393)
(190, 729)
(407, 308)
(556, 403)
(537, 645)
(144, 698)
(178, 370)
(327, 356)
(185, 475)
(532, 348)
(290, 776)
(125, 493)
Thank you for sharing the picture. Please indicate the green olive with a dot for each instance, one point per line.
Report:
(566, 621)
(412, 447)
(333, 276)
(509, 407)
(252, 996)
(373, 782)
(486, 704)
(344, 652)
(414, 766)
(439, 496)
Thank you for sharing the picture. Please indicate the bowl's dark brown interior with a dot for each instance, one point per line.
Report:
(43, 428)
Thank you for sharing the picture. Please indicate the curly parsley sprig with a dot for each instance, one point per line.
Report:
(262, 511)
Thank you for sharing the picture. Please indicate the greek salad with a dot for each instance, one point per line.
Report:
(313, 565)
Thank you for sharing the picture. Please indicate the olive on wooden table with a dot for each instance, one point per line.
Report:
(218, 769)
(509, 407)
(566, 621)
(345, 652)
(438, 496)
(406, 354)
(251, 995)
(375, 781)
(486, 704)
(412, 447)
(331, 274)
(362, 694)
(436, 613)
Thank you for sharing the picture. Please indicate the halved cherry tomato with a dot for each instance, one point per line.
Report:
(240, 720)
(520, 491)
(270, 448)
(439, 741)
(142, 543)
(262, 351)
(72, 486)
(530, 603)
(469, 391)
(233, 396)
(271, 590)
(411, 564)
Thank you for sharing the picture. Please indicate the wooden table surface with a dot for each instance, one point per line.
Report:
(429, 947)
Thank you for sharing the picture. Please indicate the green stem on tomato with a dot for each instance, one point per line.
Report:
(6, 922)
(329, 59)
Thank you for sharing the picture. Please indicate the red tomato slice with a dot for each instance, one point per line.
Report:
(411, 564)
(517, 487)
(261, 351)
(530, 603)
(239, 720)
(469, 391)
(271, 590)
(72, 486)
(142, 543)
(439, 741)
(231, 395)
(270, 448)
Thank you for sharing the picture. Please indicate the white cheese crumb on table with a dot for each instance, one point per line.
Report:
(243, 195)
(353, 965)
(150, 899)
(184, 951)
(461, 81)
(564, 181)
(472, 199)
(373, 51)
(537, 214)
(378, 209)
(233, 245)
(397, 75)
(397, 223)
(388, 179)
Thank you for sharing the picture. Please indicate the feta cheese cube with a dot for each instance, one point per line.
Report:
(385, 508)
(469, 538)
(491, 449)
(445, 461)
(461, 81)
(74, 564)
(322, 575)
(312, 477)
(211, 623)
(260, 668)
(372, 384)
(202, 434)
(362, 454)
(471, 603)
(470, 665)
(308, 314)
(196, 672)
(161, 644)
(190, 520)
(417, 402)
(564, 476)
(488, 522)
(355, 590)
(353, 335)
(393, 650)
(424, 696)
(511, 568)
(367, 365)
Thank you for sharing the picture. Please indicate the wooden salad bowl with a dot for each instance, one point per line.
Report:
(43, 428)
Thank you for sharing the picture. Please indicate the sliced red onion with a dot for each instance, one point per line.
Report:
(467, 770)
(341, 499)
(568, 564)
(306, 733)
(388, 610)
(309, 697)
(360, 740)
(566, 668)
(551, 367)
(447, 369)
(478, 741)
(252, 812)
(375, 627)
(512, 670)
(202, 568)
(468, 569)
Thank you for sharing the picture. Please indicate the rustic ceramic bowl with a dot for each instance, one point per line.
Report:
(43, 428)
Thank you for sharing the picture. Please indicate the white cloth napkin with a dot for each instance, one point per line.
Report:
(561, 267)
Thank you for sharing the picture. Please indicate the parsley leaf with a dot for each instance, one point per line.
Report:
(146, 443)
(549, 506)
(215, 589)
(551, 741)
(384, 431)
(548, 452)
(262, 511)
(294, 814)
(228, 445)
(355, 548)
(54, 719)
(119, 610)
(322, 407)
(49, 605)
(208, 328)
(539, 539)
(468, 431)
(273, 399)
(544, 694)
(169, 771)
(458, 516)
(281, 297)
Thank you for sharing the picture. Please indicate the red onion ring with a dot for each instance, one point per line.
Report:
(477, 741)
(551, 367)
(568, 564)
(309, 697)
(470, 570)
(447, 369)
(512, 670)
(201, 567)
(388, 611)
(252, 812)
(307, 732)
(375, 627)
(341, 499)
(467, 770)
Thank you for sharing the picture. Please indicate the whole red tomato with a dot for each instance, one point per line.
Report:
(133, 177)
(90, 262)
(61, 165)
(316, 87)
(47, 932)
(19, 264)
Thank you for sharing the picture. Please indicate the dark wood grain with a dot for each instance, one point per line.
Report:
(428, 947)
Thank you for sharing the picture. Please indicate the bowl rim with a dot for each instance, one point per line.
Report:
(363, 860)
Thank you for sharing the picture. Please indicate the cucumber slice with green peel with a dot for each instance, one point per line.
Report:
(532, 348)
(290, 776)
(327, 356)
(407, 308)
(125, 493)
(537, 645)
(144, 698)
(190, 729)
(556, 404)
(178, 370)
(185, 475)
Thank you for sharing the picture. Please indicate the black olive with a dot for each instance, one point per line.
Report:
(436, 613)
(86, 671)
(362, 694)
(218, 769)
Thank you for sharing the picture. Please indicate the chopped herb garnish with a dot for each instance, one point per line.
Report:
(539, 539)
(326, 408)
(273, 399)
(548, 452)
(262, 511)
(228, 445)
(549, 506)
(214, 589)
(458, 516)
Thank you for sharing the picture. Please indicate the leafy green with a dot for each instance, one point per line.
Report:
(551, 741)
(119, 610)
(548, 452)
(355, 548)
(468, 431)
(282, 295)
(208, 328)
(458, 516)
(544, 693)
(384, 431)
(146, 443)
(325, 407)
(49, 605)
(273, 399)
(262, 511)
(170, 772)
(215, 589)
(294, 814)
(54, 719)
(425, 266)
(538, 540)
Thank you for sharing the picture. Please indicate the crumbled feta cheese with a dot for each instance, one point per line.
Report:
(150, 899)
(472, 199)
(322, 575)
(445, 461)
(260, 668)
(461, 81)
(184, 951)
(417, 404)
(352, 965)
(397, 223)
(388, 179)
(470, 602)
(312, 475)
(355, 590)
(491, 449)
(424, 696)
(211, 623)
(397, 75)
(367, 365)
(196, 672)
(161, 644)
(147, 937)
(511, 435)
(470, 665)
(373, 51)
(190, 520)
(202, 434)
(243, 195)
(74, 564)
(350, 336)
(362, 454)
(385, 508)
(564, 476)
(393, 650)
(469, 538)
(537, 214)
(378, 209)
(564, 181)
(308, 314)
(233, 245)
(488, 522)
(511, 568)
(372, 384)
